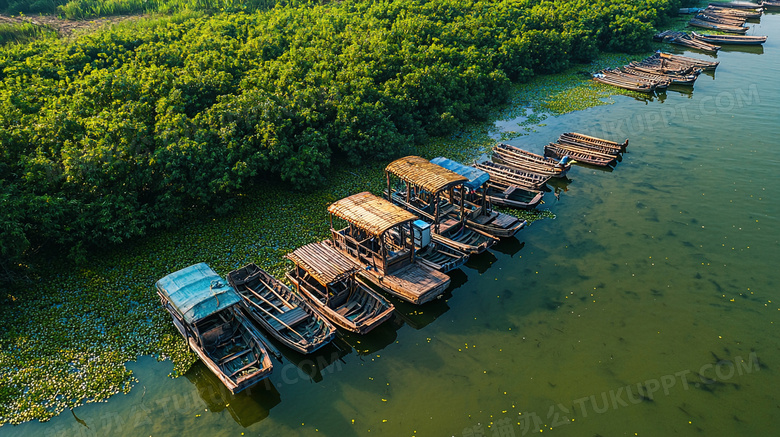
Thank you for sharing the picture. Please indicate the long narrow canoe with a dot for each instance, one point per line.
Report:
(736, 5)
(582, 138)
(744, 13)
(698, 63)
(676, 79)
(625, 84)
(730, 39)
(592, 158)
(522, 159)
(715, 26)
(512, 176)
(721, 19)
(616, 74)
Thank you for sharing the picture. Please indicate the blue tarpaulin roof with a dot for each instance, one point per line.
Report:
(477, 177)
(197, 292)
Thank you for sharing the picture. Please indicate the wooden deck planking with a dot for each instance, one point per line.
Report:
(415, 283)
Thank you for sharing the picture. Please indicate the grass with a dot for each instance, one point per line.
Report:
(20, 33)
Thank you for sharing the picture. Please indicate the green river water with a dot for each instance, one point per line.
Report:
(647, 307)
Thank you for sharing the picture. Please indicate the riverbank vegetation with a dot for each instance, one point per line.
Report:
(126, 132)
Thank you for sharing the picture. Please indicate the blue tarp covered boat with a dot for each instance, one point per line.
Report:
(205, 311)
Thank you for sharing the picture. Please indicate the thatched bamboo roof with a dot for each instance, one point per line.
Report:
(323, 262)
(421, 172)
(370, 213)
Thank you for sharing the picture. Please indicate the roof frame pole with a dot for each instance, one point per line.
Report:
(383, 251)
(462, 202)
(332, 237)
(436, 211)
(411, 235)
(389, 193)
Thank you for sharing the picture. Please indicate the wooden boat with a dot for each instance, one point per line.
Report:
(625, 84)
(328, 280)
(587, 139)
(685, 60)
(683, 39)
(205, 310)
(378, 238)
(423, 185)
(434, 254)
(676, 79)
(510, 175)
(750, 14)
(721, 19)
(439, 256)
(736, 5)
(605, 148)
(656, 66)
(582, 155)
(516, 157)
(620, 75)
(730, 39)
(715, 26)
(479, 213)
(512, 196)
(279, 311)
(771, 5)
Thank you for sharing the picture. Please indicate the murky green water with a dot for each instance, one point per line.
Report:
(648, 307)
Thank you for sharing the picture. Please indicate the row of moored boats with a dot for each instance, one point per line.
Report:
(433, 216)
(655, 73)
(730, 18)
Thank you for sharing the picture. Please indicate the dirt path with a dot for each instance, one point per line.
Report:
(66, 27)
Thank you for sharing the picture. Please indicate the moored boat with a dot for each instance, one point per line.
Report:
(424, 186)
(328, 280)
(282, 313)
(686, 60)
(637, 86)
(730, 39)
(512, 196)
(717, 26)
(588, 139)
(522, 159)
(206, 312)
(581, 155)
(479, 212)
(377, 236)
(676, 79)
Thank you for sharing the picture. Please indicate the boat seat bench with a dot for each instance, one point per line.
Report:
(290, 318)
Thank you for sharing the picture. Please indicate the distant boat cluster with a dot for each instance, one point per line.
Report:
(662, 70)
(434, 215)
(655, 73)
(729, 18)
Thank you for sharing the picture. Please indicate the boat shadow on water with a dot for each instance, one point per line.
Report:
(246, 408)
(756, 49)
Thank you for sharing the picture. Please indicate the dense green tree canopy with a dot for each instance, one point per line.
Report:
(114, 132)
